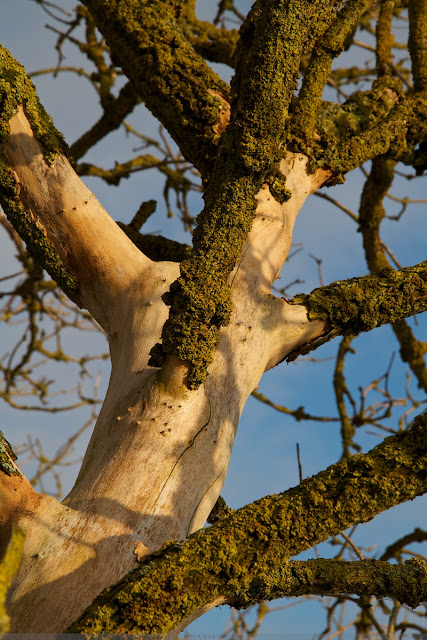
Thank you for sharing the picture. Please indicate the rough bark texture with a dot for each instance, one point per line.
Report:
(248, 549)
(190, 341)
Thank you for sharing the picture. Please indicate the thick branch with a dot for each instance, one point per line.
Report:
(220, 564)
(394, 129)
(407, 583)
(273, 39)
(365, 303)
(418, 42)
(16, 90)
(63, 224)
(183, 93)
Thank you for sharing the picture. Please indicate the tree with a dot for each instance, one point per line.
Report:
(192, 330)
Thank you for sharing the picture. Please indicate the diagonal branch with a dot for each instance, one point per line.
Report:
(110, 120)
(272, 40)
(327, 49)
(406, 582)
(61, 221)
(219, 564)
(147, 41)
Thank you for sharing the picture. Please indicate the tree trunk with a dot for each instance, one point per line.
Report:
(177, 442)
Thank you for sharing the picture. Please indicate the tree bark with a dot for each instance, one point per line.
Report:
(176, 442)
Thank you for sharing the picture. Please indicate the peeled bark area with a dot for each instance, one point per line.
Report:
(159, 453)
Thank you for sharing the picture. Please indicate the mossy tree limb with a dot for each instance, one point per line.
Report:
(326, 50)
(273, 38)
(147, 41)
(367, 302)
(371, 214)
(379, 123)
(406, 582)
(384, 38)
(417, 42)
(226, 559)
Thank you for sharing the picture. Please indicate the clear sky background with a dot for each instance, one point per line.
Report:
(264, 456)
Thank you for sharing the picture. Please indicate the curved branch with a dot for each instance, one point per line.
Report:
(327, 49)
(402, 127)
(371, 214)
(220, 564)
(111, 119)
(272, 40)
(61, 221)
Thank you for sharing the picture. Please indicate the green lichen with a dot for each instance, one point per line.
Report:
(17, 90)
(272, 40)
(356, 132)
(224, 559)
(6, 457)
(8, 567)
(147, 41)
(362, 304)
(407, 583)
(318, 71)
(278, 189)
(417, 12)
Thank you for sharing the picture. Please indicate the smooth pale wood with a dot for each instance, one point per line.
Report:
(159, 453)
(103, 259)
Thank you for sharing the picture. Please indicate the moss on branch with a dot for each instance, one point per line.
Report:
(364, 303)
(272, 41)
(226, 559)
(327, 49)
(407, 582)
(417, 10)
(7, 456)
(371, 214)
(370, 124)
(17, 90)
(147, 41)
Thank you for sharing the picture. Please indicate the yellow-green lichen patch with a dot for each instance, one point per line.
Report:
(417, 10)
(272, 41)
(147, 41)
(8, 567)
(17, 90)
(278, 189)
(362, 304)
(224, 559)
(6, 457)
(406, 583)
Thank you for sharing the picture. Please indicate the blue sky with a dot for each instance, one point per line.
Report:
(264, 456)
